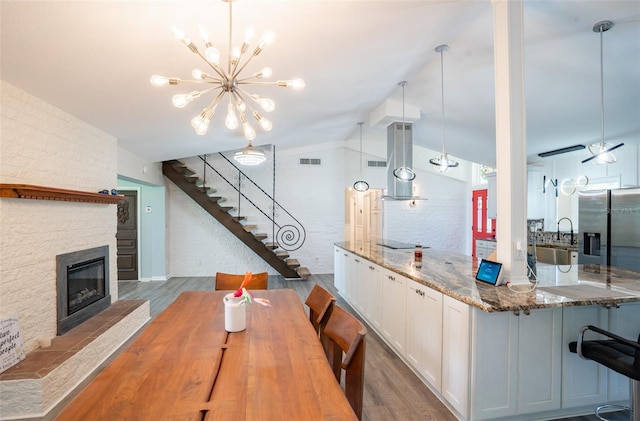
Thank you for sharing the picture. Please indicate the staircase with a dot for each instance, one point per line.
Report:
(271, 252)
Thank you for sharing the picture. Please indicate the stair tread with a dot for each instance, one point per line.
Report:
(293, 263)
(249, 228)
(282, 254)
(303, 272)
(260, 236)
(271, 245)
(239, 218)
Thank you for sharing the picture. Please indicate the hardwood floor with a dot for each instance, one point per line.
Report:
(392, 390)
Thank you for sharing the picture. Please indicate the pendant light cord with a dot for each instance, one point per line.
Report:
(403, 124)
(360, 124)
(602, 86)
(442, 89)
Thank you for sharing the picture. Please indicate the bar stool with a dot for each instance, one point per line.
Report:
(620, 355)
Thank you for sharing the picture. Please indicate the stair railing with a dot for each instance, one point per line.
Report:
(287, 231)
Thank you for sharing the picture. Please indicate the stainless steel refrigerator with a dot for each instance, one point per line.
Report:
(609, 226)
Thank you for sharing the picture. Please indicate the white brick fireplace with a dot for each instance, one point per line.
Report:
(44, 146)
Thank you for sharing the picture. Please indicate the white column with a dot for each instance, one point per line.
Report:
(511, 141)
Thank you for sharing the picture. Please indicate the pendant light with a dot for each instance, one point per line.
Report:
(361, 185)
(601, 151)
(250, 156)
(442, 162)
(403, 173)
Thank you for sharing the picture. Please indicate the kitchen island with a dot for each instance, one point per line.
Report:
(492, 352)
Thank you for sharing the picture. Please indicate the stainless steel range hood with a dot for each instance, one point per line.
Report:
(399, 153)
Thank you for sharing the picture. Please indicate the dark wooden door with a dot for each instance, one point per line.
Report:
(127, 236)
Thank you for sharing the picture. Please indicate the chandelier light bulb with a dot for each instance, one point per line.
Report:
(181, 100)
(204, 34)
(159, 81)
(212, 54)
(264, 73)
(264, 123)
(297, 84)
(231, 122)
(249, 33)
(235, 54)
(179, 33)
(197, 74)
(240, 104)
(249, 133)
(267, 38)
(266, 104)
(203, 126)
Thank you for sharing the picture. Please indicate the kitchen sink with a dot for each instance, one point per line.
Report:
(555, 255)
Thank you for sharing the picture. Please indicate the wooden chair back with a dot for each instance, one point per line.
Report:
(228, 281)
(347, 335)
(320, 303)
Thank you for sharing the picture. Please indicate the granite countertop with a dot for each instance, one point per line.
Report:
(454, 275)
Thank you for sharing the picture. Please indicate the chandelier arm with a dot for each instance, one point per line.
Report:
(213, 104)
(213, 66)
(237, 71)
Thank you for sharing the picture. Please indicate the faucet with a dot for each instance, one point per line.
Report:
(571, 228)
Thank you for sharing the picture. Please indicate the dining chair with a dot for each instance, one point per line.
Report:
(347, 335)
(228, 281)
(320, 303)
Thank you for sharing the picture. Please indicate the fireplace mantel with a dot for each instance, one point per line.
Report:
(27, 191)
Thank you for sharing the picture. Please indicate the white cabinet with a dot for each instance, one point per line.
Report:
(515, 363)
(339, 269)
(484, 248)
(424, 332)
(455, 354)
(539, 360)
(373, 298)
(394, 302)
(356, 283)
(584, 383)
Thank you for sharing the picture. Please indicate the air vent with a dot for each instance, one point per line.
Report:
(377, 164)
(310, 161)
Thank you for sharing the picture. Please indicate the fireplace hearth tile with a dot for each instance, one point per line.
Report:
(33, 387)
(42, 361)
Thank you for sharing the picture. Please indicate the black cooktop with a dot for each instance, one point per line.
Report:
(397, 244)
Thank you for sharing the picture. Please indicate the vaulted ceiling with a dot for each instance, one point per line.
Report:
(94, 59)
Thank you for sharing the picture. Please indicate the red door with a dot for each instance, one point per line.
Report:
(480, 225)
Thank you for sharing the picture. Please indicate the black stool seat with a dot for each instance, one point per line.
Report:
(619, 357)
(616, 353)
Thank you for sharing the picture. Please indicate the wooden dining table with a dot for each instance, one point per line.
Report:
(185, 366)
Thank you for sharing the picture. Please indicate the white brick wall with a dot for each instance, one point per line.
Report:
(315, 196)
(42, 145)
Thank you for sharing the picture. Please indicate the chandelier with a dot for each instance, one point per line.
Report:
(226, 82)
(442, 162)
(601, 151)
